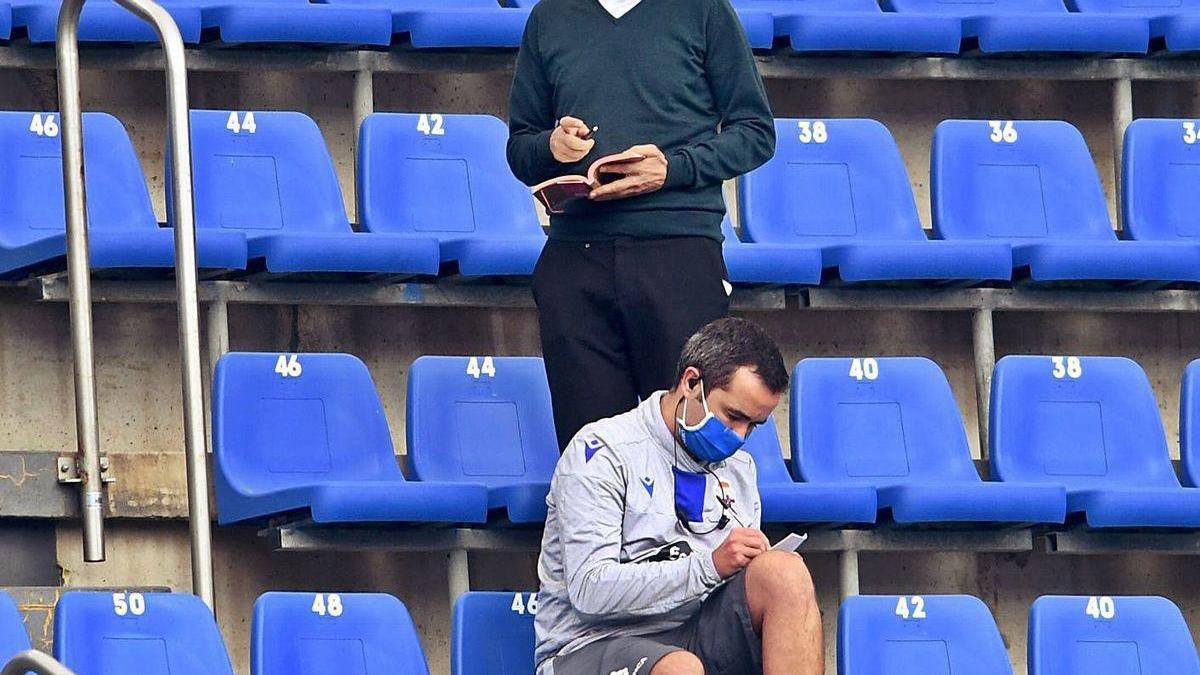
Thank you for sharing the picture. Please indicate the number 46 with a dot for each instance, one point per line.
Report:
(521, 607)
(287, 366)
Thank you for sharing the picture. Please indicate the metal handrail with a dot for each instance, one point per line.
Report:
(34, 661)
(71, 124)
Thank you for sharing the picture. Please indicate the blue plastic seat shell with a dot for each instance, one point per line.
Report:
(1059, 33)
(870, 32)
(1109, 261)
(1131, 507)
(299, 23)
(477, 257)
(5, 20)
(921, 260)
(489, 636)
(14, 639)
(350, 252)
(101, 21)
(985, 502)
(461, 27)
(814, 503)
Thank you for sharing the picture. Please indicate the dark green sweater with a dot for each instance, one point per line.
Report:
(668, 72)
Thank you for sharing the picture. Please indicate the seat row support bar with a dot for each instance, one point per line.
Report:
(983, 344)
(1122, 115)
(1082, 542)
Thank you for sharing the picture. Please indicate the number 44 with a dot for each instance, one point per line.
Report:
(247, 124)
(475, 370)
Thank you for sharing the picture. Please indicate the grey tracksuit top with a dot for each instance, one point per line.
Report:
(612, 502)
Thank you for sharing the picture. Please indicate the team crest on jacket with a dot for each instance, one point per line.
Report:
(592, 445)
(648, 483)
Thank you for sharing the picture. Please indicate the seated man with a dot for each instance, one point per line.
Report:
(652, 562)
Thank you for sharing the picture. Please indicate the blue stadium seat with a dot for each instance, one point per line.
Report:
(894, 423)
(857, 26)
(5, 20)
(1109, 636)
(452, 23)
(1036, 26)
(14, 639)
(767, 263)
(446, 176)
(98, 633)
(758, 24)
(1034, 185)
(346, 633)
(1189, 424)
(293, 22)
(307, 433)
(269, 174)
(812, 193)
(122, 229)
(101, 21)
(1090, 424)
(786, 501)
(492, 634)
(1175, 24)
(484, 421)
(919, 635)
(1161, 165)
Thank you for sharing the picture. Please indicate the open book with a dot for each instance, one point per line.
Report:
(560, 195)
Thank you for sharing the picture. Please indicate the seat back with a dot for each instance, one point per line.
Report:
(1082, 422)
(294, 420)
(878, 421)
(493, 634)
(1189, 424)
(348, 634)
(830, 181)
(1144, 8)
(14, 639)
(100, 633)
(480, 420)
(1015, 181)
(967, 8)
(31, 177)
(802, 6)
(764, 446)
(1080, 635)
(919, 635)
(265, 173)
(1160, 173)
(440, 175)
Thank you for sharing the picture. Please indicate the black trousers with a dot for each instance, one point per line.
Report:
(614, 316)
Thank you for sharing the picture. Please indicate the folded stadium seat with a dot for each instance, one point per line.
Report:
(813, 193)
(1161, 165)
(857, 26)
(1189, 424)
(919, 635)
(1109, 635)
(484, 421)
(446, 176)
(894, 423)
(1090, 424)
(5, 20)
(784, 500)
(305, 435)
(122, 230)
(293, 22)
(269, 175)
(769, 264)
(14, 639)
(348, 633)
(1011, 26)
(492, 634)
(1174, 24)
(1034, 185)
(101, 633)
(758, 24)
(451, 23)
(100, 21)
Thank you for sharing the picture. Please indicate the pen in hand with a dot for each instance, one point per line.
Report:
(591, 133)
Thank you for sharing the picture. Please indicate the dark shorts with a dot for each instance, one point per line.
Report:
(721, 634)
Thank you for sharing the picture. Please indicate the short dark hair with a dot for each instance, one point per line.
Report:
(718, 349)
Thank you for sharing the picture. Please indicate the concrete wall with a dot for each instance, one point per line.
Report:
(138, 372)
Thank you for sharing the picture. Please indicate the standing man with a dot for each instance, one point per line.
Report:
(626, 278)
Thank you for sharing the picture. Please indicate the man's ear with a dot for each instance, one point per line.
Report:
(691, 379)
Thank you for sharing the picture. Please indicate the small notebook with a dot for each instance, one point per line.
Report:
(565, 193)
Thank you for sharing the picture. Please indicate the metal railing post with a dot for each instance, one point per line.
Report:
(185, 265)
(34, 661)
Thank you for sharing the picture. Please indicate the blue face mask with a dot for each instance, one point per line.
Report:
(709, 440)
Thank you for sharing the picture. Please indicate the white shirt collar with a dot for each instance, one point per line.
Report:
(618, 8)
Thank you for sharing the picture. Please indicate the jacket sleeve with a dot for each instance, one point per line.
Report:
(746, 137)
(531, 113)
(591, 504)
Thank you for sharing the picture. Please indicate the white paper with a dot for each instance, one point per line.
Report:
(790, 543)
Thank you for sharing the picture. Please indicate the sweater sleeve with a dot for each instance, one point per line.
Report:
(747, 135)
(531, 113)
